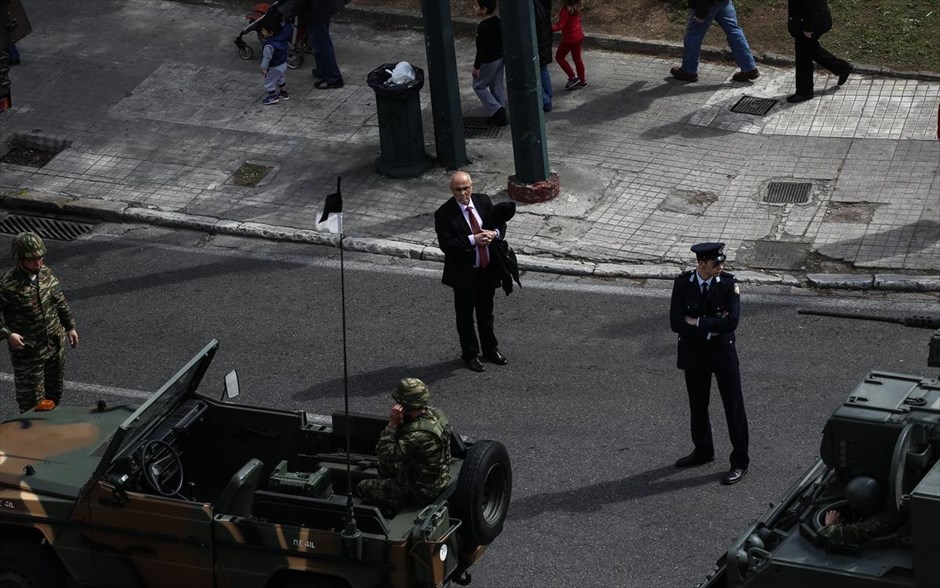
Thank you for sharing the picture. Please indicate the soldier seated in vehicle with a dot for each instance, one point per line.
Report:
(866, 519)
(413, 452)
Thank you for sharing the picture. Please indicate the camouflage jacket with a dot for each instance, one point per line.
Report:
(421, 450)
(856, 533)
(36, 309)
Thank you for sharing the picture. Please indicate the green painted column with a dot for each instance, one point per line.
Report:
(524, 91)
(449, 138)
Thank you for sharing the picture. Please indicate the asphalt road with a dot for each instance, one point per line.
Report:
(590, 406)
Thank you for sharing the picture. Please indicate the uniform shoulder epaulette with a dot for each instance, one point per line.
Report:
(728, 275)
(685, 274)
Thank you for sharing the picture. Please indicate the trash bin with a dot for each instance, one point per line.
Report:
(401, 133)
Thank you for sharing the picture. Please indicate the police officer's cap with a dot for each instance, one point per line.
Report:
(709, 251)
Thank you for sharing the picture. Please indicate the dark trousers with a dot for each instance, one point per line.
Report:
(699, 383)
(807, 51)
(478, 299)
(323, 52)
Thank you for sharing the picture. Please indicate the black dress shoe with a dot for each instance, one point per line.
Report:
(797, 98)
(845, 74)
(692, 459)
(496, 357)
(474, 364)
(733, 476)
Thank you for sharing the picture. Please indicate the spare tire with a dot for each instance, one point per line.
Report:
(481, 499)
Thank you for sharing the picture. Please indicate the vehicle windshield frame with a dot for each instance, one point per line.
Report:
(161, 403)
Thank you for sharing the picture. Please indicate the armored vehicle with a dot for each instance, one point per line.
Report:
(886, 435)
(192, 491)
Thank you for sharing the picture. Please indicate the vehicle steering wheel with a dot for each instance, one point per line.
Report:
(162, 467)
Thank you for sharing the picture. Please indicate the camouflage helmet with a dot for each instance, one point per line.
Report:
(865, 493)
(412, 393)
(28, 246)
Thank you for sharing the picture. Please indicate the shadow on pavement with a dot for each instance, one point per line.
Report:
(593, 498)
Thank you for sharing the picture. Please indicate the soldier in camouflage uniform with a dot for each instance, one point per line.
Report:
(865, 495)
(413, 452)
(35, 320)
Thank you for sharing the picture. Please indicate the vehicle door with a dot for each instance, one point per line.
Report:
(148, 540)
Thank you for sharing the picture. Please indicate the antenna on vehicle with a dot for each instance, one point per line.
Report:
(333, 217)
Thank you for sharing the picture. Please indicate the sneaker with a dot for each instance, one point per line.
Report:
(270, 99)
(283, 95)
(572, 83)
(582, 84)
(746, 76)
(499, 118)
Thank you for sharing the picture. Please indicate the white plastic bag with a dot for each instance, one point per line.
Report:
(403, 74)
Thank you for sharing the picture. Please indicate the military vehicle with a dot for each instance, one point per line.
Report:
(192, 491)
(888, 429)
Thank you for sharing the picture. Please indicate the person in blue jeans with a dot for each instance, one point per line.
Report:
(701, 15)
(543, 36)
(13, 54)
(316, 15)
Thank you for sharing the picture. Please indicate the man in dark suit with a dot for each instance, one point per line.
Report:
(704, 311)
(459, 225)
(807, 21)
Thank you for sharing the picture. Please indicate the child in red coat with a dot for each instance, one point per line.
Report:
(569, 23)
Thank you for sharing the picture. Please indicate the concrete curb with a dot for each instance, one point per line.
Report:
(391, 18)
(113, 211)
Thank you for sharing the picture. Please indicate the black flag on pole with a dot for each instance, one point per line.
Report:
(331, 218)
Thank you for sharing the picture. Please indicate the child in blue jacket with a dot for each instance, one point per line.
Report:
(277, 36)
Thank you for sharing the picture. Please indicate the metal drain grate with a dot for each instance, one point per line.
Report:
(752, 105)
(480, 127)
(788, 192)
(47, 228)
(780, 255)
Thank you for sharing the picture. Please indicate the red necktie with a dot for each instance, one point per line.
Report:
(475, 227)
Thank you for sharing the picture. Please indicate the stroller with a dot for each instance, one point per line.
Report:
(298, 45)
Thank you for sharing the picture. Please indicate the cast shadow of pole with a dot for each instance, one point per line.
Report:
(593, 498)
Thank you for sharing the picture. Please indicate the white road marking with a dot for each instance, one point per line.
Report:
(91, 388)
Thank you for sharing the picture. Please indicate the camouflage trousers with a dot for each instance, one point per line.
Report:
(38, 376)
(386, 493)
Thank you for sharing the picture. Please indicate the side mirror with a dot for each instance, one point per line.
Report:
(231, 385)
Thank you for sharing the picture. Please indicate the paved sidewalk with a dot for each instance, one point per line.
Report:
(158, 111)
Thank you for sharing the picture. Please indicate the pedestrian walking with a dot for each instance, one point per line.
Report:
(467, 269)
(701, 15)
(315, 15)
(807, 21)
(35, 320)
(572, 35)
(489, 72)
(704, 311)
(543, 37)
(276, 36)
(413, 452)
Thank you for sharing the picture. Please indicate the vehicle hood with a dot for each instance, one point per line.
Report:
(56, 452)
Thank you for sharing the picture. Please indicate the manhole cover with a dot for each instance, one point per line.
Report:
(480, 127)
(780, 255)
(27, 157)
(47, 228)
(788, 192)
(752, 105)
(249, 174)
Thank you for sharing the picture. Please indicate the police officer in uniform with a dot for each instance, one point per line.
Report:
(704, 312)
(413, 452)
(35, 320)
